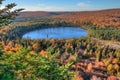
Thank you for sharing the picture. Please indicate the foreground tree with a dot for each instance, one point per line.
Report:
(7, 15)
(25, 66)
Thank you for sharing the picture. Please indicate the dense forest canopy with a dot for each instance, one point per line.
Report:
(102, 18)
(85, 58)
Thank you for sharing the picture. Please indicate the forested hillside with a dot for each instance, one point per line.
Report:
(101, 18)
(84, 58)
(34, 15)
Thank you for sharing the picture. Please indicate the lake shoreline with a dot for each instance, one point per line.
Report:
(56, 33)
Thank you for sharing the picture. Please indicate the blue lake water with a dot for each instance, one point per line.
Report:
(57, 33)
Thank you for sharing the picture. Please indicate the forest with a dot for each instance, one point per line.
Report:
(83, 58)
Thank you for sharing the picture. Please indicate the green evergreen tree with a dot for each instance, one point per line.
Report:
(7, 15)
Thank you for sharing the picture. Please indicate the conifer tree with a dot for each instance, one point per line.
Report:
(7, 14)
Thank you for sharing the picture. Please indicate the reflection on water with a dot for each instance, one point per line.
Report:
(57, 32)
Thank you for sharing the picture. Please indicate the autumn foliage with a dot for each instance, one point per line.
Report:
(101, 18)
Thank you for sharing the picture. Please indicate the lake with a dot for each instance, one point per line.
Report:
(56, 32)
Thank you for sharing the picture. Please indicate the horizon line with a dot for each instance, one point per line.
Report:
(73, 11)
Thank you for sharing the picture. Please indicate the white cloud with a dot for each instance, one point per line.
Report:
(43, 8)
(83, 5)
(86, 6)
(41, 4)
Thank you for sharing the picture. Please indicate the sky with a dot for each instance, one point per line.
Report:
(64, 5)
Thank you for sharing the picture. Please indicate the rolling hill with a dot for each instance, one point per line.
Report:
(100, 18)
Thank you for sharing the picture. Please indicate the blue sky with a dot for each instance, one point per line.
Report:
(64, 5)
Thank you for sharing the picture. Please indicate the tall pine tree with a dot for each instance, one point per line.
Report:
(7, 15)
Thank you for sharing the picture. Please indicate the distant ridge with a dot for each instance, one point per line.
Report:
(99, 18)
(36, 14)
